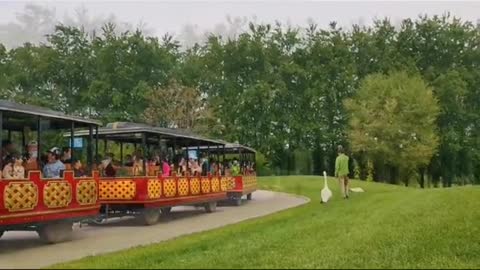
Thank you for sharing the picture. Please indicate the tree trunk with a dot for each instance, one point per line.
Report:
(422, 177)
(393, 175)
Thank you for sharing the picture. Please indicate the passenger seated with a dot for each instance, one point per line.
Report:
(13, 169)
(235, 168)
(165, 168)
(31, 154)
(196, 169)
(205, 166)
(227, 168)
(67, 155)
(77, 168)
(137, 166)
(107, 168)
(155, 161)
(128, 161)
(182, 166)
(213, 167)
(54, 168)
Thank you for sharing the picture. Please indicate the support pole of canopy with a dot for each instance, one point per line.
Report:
(105, 144)
(144, 150)
(121, 153)
(72, 134)
(1, 139)
(218, 159)
(89, 148)
(96, 145)
(160, 152)
(240, 158)
(198, 155)
(39, 142)
(174, 158)
(186, 151)
(23, 138)
(208, 152)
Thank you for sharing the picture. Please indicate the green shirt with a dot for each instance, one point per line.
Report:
(341, 165)
(235, 170)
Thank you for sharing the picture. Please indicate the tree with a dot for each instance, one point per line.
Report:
(177, 106)
(392, 118)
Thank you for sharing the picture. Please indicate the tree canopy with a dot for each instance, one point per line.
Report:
(393, 120)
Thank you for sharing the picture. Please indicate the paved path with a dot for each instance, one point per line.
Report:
(24, 250)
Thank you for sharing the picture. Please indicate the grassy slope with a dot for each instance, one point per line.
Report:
(386, 227)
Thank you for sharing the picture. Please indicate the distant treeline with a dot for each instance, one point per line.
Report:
(280, 90)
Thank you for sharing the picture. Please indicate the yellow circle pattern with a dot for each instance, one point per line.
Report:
(86, 192)
(169, 188)
(117, 189)
(195, 186)
(215, 184)
(154, 189)
(205, 185)
(183, 187)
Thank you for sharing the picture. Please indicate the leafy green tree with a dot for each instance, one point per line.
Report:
(392, 117)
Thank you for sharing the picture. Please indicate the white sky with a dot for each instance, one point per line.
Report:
(170, 16)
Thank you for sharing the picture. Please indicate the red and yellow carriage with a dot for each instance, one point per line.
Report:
(148, 194)
(241, 183)
(31, 202)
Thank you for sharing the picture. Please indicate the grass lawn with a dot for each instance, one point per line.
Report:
(385, 227)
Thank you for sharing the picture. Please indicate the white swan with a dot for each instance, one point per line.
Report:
(326, 193)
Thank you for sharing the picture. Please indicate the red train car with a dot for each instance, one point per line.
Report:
(145, 190)
(238, 165)
(49, 206)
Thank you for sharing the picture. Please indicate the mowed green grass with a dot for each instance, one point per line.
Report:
(385, 227)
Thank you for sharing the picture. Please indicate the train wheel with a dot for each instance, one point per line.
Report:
(55, 232)
(237, 201)
(151, 216)
(166, 210)
(249, 196)
(211, 207)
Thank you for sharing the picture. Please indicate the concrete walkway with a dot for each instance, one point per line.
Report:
(24, 250)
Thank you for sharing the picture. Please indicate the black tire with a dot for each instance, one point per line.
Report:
(237, 201)
(166, 210)
(57, 232)
(249, 196)
(1, 233)
(151, 216)
(211, 207)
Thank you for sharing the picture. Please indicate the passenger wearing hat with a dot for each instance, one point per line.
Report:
(54, 167)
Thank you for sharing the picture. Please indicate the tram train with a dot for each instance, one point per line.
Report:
(50, 206)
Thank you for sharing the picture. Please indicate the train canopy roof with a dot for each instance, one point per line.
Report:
(230, 148)
(127, 132)
(16, 116)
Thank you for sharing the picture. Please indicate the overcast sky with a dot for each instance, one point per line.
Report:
(170, 16)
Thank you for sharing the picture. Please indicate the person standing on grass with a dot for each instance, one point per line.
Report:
(342, 171)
